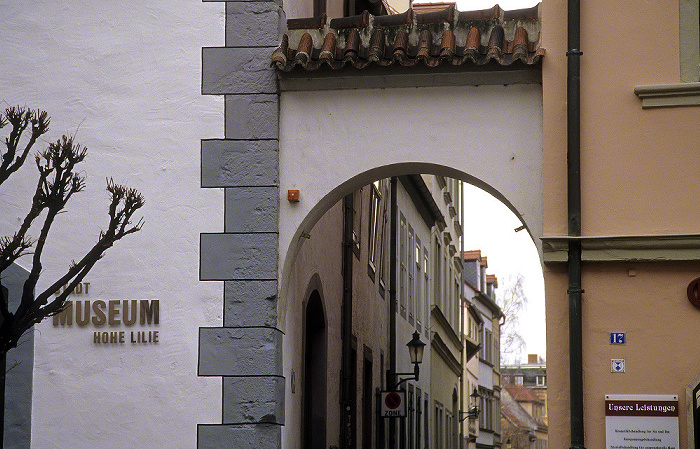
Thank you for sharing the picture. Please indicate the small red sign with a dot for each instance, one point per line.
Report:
(393, 404)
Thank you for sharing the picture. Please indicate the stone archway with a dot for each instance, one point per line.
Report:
(500, 152)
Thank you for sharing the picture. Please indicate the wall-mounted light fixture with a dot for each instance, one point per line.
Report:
(473, 412)
(415, 351)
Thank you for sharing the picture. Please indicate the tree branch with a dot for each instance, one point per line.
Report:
(20, 118)
(58, 182)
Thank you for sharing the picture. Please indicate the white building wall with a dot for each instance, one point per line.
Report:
(124, 78)
(333, 142)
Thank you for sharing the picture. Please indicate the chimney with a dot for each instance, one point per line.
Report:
(532, 359)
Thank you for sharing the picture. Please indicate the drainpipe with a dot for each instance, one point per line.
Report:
(462, 309)
(574, 222)
(391, 379)
(347, 411)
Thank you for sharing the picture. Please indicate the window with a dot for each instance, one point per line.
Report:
(540, 381)
(375, 220)
(490, 416)
(426, 288)
(367, 400)
(356, 225)
(457, 301)
(449, 294)
(383, 240)
(683, 94)
(426, 421)
(689, 19)
(439, 426)
(487, 351)
(410, 270)
(519, 379)
(411, 419)
(418, 290)
(437, 277)
(448, 430)
(419, 418)
(403, 236)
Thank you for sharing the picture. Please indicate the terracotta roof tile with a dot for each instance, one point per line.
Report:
(522, 393)
(492, 279)
(440, 36)
(474, 254)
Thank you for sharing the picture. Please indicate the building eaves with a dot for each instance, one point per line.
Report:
(442, 38)
(423, 199)
(489, 303)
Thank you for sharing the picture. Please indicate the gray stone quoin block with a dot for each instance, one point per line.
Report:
(241, 436)
(251, 116)
(254, 24)
(250, 303)
(239, 163)
(238, 70)
(251, 209)
(238, 351)
(253, 400)
(238, 257)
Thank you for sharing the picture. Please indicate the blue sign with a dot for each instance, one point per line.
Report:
(617, 338)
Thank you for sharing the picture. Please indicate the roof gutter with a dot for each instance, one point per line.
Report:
(574, 222)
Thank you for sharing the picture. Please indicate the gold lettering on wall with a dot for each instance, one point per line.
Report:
(112, 313)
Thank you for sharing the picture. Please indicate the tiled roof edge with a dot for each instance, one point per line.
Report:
(432, 38)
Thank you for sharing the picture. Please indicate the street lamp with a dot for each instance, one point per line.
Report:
(473, 412)
(415, 351)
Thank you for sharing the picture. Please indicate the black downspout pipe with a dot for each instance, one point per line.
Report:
(346, 436)
(574, 222)
(391, 379)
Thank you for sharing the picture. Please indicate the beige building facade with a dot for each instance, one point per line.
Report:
(639, 191)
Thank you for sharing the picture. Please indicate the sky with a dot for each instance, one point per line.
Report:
(509, 253)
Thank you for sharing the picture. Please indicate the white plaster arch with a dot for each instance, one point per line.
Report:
(333, 142)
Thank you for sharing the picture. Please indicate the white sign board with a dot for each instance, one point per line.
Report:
(647, 421)
(393, 404)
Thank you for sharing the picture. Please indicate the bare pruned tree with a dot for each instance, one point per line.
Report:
(512, 301)
(58, 182)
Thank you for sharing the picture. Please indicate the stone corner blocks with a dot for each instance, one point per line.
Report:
(238, 163)
(240, 351)
(253, 400)
(248, 436)
(251, 209)
(238, 70)
(252, 116)
(250, 303)
(238, 257)
(254, 24)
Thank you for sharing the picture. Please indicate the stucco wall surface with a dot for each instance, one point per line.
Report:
(637, 166)
(332, 142)
(124, 78)
(638, 178)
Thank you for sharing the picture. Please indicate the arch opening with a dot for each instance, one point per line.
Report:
(435, 312)
(291, 239)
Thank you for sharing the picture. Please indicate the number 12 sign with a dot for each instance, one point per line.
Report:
(617, 338)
